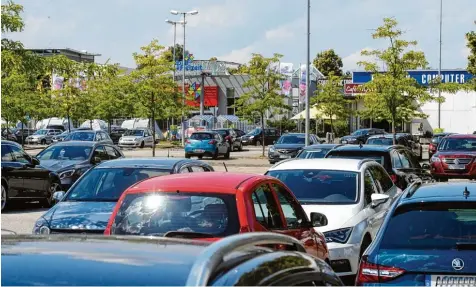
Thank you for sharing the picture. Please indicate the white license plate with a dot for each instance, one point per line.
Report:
(284, 156)
(199, 150)
(450, 280)
(457, 166)
(344, 142)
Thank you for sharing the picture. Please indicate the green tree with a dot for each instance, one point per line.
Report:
(328, 63)
(178, 53)
(241, 70)
(471, 44)
(213, 59)
(262, 90)
(155, 91)
(392, 92)
(330, 100)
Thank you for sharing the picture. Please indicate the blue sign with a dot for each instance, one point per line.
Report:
(189, 64)
(423, 77)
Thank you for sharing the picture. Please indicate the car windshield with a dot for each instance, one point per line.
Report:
(66, 152)
(107, 184)
(314, 153)
(320, 186)
(458, 144)
(81, 136)
(159, 213)
(254, 132)
(137, 133)
(380, 141)
(201, 136)
(378, 157)
(440, 225)
(292, 139)
(359, 132)
(41, 132)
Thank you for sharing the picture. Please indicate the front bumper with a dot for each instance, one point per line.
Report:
(32, 140)
(277, 156)
(344, 258)
(438, 170)
(129, 144)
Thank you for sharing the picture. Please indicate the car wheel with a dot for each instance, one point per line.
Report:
(258, 143)
(215, 154)
(142, 144)
(43, 142)
(4, 196)
(187, 155)
(54, 187)
(240, 148)
(227, 154)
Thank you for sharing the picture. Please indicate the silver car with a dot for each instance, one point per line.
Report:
(136, 138)
(43, 136)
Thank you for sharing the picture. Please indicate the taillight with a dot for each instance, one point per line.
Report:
(212, 142)
(374, 273)
(394, 178)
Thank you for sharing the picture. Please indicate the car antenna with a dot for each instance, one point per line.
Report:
(466, 192)
(226, 169)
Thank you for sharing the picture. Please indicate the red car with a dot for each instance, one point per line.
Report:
(455, 158)
(209, 206)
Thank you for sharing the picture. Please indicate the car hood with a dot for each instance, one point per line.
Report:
(87, 215)
(338, 216)
(36, 136)
(288, 146)
(452, 153)
(55, 165)
(130, 137)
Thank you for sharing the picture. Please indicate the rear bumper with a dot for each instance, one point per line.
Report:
(344, 258)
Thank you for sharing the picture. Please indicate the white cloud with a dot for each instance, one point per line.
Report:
(227, 14)
(350, 62)
(241, 56)
(279, 33)
(465, 51)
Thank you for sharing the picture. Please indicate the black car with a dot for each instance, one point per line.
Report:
(70, 159)
(89, 203)
(116, 133)
(24, 179)
(360, 136)
(288, 145)
(435, 140)
(231, 137)
(255, 137)
(316, 151)
(399, 161)
(239, 260)
(89, 135)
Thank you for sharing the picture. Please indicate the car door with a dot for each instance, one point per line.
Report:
(35, 177)
(370, 212)
(296, 222)
(149, 139)
(10, 172)
(265, 214)
(221, 143)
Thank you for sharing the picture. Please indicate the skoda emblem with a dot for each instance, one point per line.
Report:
(457, 264)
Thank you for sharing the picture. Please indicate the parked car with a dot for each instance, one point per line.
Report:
(60, 137)
(436, 221)
(455, 158)
(360, 136)
(231, 137)
(235, 203)
(43, 136)
(9, 134)
(56, 127)
(71, 159)
(353, 194)
(137, 138)
(435, 140)
(207, 143)
(239, 132)
(316, 151)
(116, 133)
(24, 179)
(141, 261)
(89, 135)
(288, 146)
(88, 204)
(387, 139)
(255, 137)
(399, 162)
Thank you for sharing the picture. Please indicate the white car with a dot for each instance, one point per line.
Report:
(354, 196)
(137, 138)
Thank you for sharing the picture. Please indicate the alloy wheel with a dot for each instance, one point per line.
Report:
(4, 197)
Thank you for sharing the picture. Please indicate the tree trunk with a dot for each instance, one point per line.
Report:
(22, 141)
(332, 126)
(393, 130)
(152, 122)
(91, 124)
(263, 131)
(69, 124)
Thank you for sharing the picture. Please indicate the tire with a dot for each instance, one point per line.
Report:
(227, 154)
(4, 196)
(240, 148)
(215, 155)
(48, 201)
(142, 144)
(43, 142)
(187, 155)
(258, 143)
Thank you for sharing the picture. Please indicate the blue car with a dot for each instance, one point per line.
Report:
(208, 143)
(428, 238)
(89, 203)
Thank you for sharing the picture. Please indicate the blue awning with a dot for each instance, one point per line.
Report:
(231, 118)
(207, 118)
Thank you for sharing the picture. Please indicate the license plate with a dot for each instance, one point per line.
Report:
(198, 150)
(450, 280)
(284, 156)
(457, 166)
(344, 142)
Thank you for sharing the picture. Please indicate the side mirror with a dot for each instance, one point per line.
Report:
(274, 142)
(96, 160)
(318, 219)
(378, 198)
(58, 195)
(425, 166)
(35, 161)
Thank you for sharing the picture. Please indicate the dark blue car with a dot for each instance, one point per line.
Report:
(87, 205)
(427, 239)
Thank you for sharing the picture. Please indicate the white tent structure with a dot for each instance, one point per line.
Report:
(95, 124)
(54, 121)
(142, 123)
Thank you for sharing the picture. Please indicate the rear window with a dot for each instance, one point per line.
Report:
(159, 213)
(377, 156)
(314, 153)
(201, 136)
(431, 226)
(380, 141)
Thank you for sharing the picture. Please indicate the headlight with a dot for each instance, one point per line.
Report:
(67, 173)
(338, 236)
(435, 159)
(271, 149)
(252, 137)
(41, 227)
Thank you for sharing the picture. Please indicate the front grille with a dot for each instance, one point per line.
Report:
(76, 231)
(286, 151)
(457, 160)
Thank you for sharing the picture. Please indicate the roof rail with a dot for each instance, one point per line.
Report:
(213, 255)
(365, 160)
(413, 187)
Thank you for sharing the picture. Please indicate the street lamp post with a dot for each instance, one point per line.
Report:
(174, 12)
(308, 70)
(439, 65)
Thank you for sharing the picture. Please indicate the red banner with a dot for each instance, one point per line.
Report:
(210, 97)
(352, 88)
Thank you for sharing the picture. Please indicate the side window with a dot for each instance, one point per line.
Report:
(404, 158)
(265, 207)
(19, 155)
(218, 137)
(118, 154)
(196, 168)
(396, 162)
(106, 136)
(413, 160)
(111, 152)
(6, 153)
(101, 153)
(294, 215)
(369, 187)
(381, 177)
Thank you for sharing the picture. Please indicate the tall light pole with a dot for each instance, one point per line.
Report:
(439, 65)
(308, 70)
(174, 12)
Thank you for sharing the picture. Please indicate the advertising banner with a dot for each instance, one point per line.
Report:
(302, 84)
(353, 88)
(423, 77)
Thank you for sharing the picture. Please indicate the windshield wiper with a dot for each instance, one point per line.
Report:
(466, 246)
(186, 234)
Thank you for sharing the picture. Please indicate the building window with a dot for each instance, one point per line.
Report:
(230, 101)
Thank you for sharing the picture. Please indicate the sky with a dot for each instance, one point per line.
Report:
(233, 30)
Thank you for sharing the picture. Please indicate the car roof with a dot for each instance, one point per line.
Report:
(434, 192)
(342, 164)
(316, 146)
(461, 136)
(204, 132)
(214, 182)
(387, 136)
(77, 143)
(365, 147)
(442, 134)
(11, 143)
(152, 162)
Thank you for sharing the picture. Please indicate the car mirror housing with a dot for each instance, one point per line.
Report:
(378, 198)
(96, 160)
(318, 219)
(58, 195)
(35, 161)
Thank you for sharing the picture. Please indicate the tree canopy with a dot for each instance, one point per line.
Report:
(471, 44)
(328, 63)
